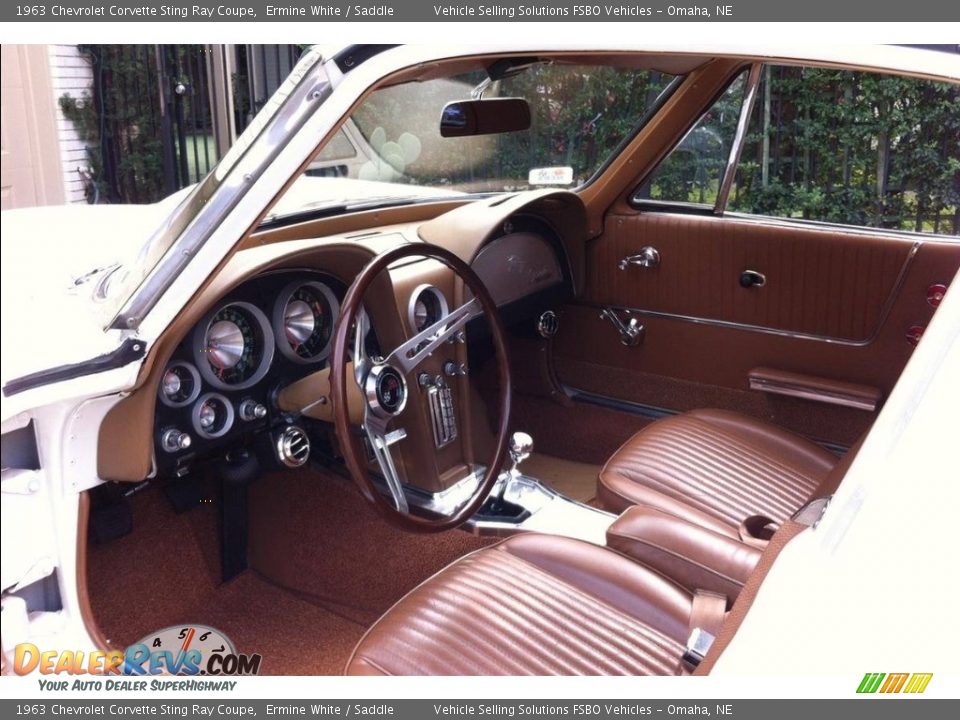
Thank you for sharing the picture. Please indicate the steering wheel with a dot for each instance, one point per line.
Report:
(384, 385)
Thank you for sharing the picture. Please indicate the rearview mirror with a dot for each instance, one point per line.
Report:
(484, 117)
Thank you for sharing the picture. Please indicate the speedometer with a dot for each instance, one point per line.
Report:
(303, 321)
(233, 348)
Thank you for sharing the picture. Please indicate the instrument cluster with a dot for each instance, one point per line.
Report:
(271, 331)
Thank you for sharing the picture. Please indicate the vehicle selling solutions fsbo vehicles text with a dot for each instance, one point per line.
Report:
(581, 11)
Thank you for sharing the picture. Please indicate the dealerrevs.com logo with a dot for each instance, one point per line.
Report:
(910, 683)
(175, 650)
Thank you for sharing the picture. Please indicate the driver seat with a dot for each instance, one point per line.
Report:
(537, 605)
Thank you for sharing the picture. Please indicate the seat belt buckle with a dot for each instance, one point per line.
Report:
(698, 644)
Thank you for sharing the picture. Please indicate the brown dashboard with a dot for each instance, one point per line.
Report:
(216, 381)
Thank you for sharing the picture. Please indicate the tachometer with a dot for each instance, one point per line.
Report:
(303, 321)
(233, 348)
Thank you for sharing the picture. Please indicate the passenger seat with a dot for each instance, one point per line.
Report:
(716, 469)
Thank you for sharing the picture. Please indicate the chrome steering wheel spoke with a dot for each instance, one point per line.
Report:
(375, 423)
(408, 355)
(380, 442)
(386, 384)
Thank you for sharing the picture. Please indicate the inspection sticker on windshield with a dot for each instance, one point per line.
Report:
(551, 176)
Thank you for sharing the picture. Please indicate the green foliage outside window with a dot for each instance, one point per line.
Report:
(830, 145)
(853, 148)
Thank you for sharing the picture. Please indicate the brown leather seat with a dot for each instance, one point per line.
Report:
(533, 605)
(716, 468)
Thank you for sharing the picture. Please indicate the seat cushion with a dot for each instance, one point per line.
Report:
(715, 468)
(533, 605)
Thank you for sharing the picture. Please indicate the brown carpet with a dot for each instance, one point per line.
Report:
(324, 566)
(313, 532)
(580, 432)
(575, 480)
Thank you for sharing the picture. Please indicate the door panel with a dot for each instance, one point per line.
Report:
(836, 305)
(844, 281)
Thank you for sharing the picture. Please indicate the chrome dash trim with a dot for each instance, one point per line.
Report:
(807, 393)
(736, 148)
(796, 335)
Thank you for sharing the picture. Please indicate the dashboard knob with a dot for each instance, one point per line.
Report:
(252, 410)
(453, 369)
(175, 440)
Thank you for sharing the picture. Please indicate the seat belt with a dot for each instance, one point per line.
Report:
(706, 616)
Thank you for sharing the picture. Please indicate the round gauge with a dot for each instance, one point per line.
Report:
(232, 348)
(179, 385)
(303, 321)
(212, 416)
(427, 306)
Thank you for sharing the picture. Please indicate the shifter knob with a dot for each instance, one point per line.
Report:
(521, 445)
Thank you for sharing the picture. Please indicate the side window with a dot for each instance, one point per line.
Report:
(852, 148)
(692, 172)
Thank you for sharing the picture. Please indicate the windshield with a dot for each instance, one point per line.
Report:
(391, 147)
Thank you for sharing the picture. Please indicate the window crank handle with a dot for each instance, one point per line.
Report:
(631, 332)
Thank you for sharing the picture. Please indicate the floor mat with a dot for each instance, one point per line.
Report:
(324, 567)
(295, 637)
(312, 532)
(576, 480)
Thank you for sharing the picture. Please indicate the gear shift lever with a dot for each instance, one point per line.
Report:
(521, 445)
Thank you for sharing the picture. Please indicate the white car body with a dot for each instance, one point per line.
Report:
(885, 541)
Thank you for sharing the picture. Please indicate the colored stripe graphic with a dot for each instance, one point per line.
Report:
(918, 682)
(870, 682)
(894, 683)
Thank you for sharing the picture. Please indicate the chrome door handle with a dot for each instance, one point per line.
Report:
(631, 332)
(648, 257)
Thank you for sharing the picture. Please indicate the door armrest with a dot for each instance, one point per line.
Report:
(810, 387)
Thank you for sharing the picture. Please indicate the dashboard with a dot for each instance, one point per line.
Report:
(244, 371)
(220, 382)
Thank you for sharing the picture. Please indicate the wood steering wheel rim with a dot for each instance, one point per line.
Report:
(350, 447)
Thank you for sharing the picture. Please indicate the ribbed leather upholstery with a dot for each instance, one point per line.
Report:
(533, 605)
(715, 468)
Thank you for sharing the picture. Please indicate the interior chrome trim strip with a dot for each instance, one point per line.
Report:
(807, 393)
(550, 511)
(749, 97)
(884, 313)
(627, 406)
(635, 408)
